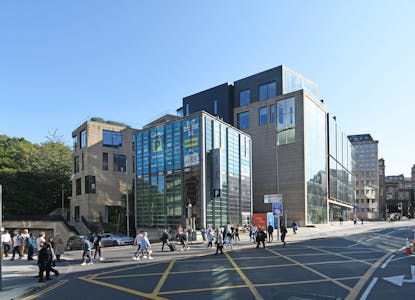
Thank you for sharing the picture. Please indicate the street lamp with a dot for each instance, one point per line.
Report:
(63, 200)
(126, 198)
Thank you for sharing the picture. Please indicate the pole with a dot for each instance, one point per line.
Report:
(126, 197)
(278, 179)
(63, 207)
(1, 228)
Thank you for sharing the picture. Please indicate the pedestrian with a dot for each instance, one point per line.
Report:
(270, 230)
(86, 255)
(294, 226)
(283, 234)
(209, 236)
(25, 236)
(184, 240)
(341, 220)
(203, 232)
(219, 241)
(137, 243)
(6, 240)
(261, 236)
(164, 239)
(59, 247)
(44, 261)
(236, 235)
(146, 246)
(17, 242)
(31, 244)
(228, 241)
(98, 247)
(40, 241)
(52, 265)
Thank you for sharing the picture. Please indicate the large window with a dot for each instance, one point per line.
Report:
(243, 120)
(90, 187)
(267, 91)
(119, 162)
(77, 214)
(286, 121)
(78, 186)
(76, 164)
(83, 138)
(263, 118)
(111, 138)
(215, 107)
(272, 113)
(74, 143)
(105, 161)
(244, 97)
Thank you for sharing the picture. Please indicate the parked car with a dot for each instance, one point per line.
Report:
(115, 239)
(74, 242)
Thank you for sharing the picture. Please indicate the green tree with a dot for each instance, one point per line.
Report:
(32, 175)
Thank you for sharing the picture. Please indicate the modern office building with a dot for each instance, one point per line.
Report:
(103, 168)
(194, 170)
(297, 149)
(367, 175)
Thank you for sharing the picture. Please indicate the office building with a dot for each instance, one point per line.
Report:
(297, 149)
(194, 170)
(367, 175)
(103, 168)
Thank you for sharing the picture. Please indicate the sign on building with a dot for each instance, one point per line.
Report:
(273, 198)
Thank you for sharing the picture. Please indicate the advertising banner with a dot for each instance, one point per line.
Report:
(191, 143)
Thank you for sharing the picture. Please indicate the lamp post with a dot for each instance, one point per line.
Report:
(126, 198)
(63, 200)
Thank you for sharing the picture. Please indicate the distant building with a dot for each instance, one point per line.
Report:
(382, 194)
(367, 176)
(103, 168)
(193, 171)
(399, 195)
(298, 151)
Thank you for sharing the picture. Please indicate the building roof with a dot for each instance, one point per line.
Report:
(356, 138)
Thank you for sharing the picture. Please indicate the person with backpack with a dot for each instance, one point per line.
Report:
(44, 261)
(17, 243)
(86, 255)
(164, 239)
(30, 244)
(261, 236)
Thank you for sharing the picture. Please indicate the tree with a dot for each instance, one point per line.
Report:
(32, 175)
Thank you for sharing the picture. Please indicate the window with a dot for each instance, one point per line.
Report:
(105, 161)
(83, 138)
(286, 121)
(263, 118)
(76, 164)
(243, 120)
(90, 184)
(187, 109)
(74, 143)
(77, 217)
(78, 186)
(111, 138)
(82, 161)
(119, 163)
(272, 113)
(267, 91)
(215, 107)
(244, 97)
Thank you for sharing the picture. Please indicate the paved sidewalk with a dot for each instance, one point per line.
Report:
(18, 276)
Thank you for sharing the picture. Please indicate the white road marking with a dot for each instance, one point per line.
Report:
(369, 288)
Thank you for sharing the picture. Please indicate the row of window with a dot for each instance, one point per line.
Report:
(90, 185)
(118, 162)
(265, 91)
(365, 146)
(82, 138)
(110, 138)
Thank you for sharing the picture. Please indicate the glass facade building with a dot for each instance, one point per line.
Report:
(193, 171)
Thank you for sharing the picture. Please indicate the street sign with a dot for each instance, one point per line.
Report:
(216, 193)
(274, 198)
(277, 209)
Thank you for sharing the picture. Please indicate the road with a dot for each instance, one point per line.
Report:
(369, 265)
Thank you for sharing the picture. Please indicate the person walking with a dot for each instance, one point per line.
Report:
(219, 241)
(164, 239)
(261, 236)
(31, 243)
(137, 243)
(97, 247)
(59, 247)
(40, 241)
(236, 235)
(86, 255)
(283, 234)
(44, 261)
(209, 236)
(25, 236)
(294, 226)
(270, 230)
(6, 240)
(17, 242)
(146, 246)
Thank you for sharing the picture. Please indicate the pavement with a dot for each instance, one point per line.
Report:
(18, 276)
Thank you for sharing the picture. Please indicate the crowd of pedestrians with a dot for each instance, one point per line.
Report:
(47, 251)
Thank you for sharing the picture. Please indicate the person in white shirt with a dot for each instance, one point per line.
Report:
(6, 240)
(40, 241)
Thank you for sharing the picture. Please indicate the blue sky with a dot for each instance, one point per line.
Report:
(63, 62)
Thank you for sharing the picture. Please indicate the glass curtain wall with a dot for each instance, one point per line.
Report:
(315, 130)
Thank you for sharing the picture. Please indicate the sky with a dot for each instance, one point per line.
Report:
(63, 62)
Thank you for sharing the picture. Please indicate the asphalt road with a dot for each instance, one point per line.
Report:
(368, 265)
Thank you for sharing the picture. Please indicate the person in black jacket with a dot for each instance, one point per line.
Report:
(44, 261)
(283, 234)
(165, 239)
(261, 236)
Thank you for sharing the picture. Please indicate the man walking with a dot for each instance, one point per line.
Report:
(261, 236)
(270, 230)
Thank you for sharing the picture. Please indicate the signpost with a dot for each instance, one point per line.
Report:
(277, 209)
